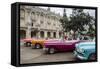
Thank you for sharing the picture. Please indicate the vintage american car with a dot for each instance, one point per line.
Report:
(28, 41)
(85, 51)
(39, 43)
(60, 45)
(33, 42)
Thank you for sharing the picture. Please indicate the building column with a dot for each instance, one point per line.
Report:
(28, 33)
(51, 34)
(38, 34)
(45, 34)
(57, 34)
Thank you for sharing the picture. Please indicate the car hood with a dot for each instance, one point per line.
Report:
(86, 45)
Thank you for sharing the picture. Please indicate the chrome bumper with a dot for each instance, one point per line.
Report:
(79, 56)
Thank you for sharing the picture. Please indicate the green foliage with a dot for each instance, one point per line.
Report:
(76, 21)
(65, 22)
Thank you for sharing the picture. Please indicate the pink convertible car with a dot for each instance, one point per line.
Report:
(60, 45)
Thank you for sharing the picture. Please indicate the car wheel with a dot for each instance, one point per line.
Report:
(51, 50)
(37, 46)
(92, 57)
(28, 44)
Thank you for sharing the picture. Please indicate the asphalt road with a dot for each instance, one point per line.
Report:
(29, 55)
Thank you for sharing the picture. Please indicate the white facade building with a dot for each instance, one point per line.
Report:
(39, 22)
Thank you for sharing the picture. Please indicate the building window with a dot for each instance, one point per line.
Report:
(22, 14)
(48, 23)
(33, 21)
(42, 14)
(33, 34)
(42, 34)
(33, 13)
(54, 34)
(32, 24)
(59, 34)
(41, 22)
(37, 13)
(48, 34)
(54, 24)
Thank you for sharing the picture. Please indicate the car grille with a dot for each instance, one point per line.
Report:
(77, 50)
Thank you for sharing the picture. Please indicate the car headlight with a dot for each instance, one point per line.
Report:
(80, 50)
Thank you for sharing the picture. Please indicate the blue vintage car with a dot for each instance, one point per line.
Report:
(85, 51)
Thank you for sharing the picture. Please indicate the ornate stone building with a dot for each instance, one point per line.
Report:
(39, 22)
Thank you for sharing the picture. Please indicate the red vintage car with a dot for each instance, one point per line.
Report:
(28, 41)
(60, 45)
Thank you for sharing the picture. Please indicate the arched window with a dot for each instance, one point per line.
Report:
(32, 15)
(42, 14)
(54, 34)
(48, 34)
(33, 34)
(42, 34)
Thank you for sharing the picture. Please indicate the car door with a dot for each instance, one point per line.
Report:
(70, 46)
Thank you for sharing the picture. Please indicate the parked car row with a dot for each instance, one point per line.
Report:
(36, 43)
(82, 49)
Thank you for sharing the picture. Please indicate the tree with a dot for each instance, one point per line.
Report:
(64, 20)
(78, 19)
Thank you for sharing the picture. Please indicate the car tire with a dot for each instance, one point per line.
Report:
(37, 46)
(28, 44)
(92, 57)
(51, 51)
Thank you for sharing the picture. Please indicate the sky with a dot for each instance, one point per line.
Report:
(69, 11)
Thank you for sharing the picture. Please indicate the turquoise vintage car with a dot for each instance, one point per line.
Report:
(85, 51)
